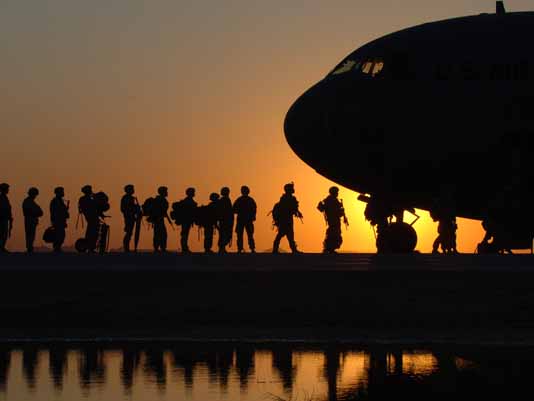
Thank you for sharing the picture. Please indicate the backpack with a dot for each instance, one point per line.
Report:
(276, 213)
(102, 202)
(177, 212)
(49, 235)
(148, 209)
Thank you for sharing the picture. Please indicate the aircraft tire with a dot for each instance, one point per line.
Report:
(398, 238)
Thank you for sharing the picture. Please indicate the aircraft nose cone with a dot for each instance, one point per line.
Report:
(304, 124)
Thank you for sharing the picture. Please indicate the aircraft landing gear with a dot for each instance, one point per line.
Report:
(397, 237)
(391, 237)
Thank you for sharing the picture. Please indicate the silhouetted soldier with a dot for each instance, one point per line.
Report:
(333, 212)
(59, 214)
(32, 212)
(226, 219)
(130, 210)
(88, 208)
(443, 211)
(188, 206)
(245, 208)
(161, 207)
(208, 220)
(286, 208)
(6, 217)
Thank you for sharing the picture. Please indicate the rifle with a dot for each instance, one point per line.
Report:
(170, 221)
(10, 228)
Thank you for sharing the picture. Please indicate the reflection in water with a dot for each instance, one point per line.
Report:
(284, 372)
(92, 368)
(30, 361)
(57, 362)
(130, 361)
(5, 361)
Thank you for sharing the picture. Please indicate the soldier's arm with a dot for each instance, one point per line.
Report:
(254, 209)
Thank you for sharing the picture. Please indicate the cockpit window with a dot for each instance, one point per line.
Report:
(345, 67)
(372, 67)
(377, 67)
(367, 67)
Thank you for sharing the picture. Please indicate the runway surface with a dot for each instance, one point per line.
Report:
(264, 262)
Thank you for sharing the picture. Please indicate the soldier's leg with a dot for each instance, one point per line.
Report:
(91, 235)
(339, 238)
(220, 240)
(436, 244)
(128, 231)
(239, 229)
(208, 238)
(157, 237)
(290, 234)
(249, 227)
(277, 239)
(59, 238)
(4, 229)
(27, 235)
(33, 230)
(325, 241)
(184, 237)
(163, 237)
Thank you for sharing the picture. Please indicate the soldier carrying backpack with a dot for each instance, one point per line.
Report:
(32, 212)
(155, 209)
(206, 217)
(333, 211)
(183, 213)
(283, 213)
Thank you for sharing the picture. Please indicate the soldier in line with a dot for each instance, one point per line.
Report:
(245, 209)
(226, 219)
(6, 217)
(32, 212)
(283, 214)
(333, 212)
(188, 206)
(130, 210)
(443, 212)
(59, 214)
(161, 207)
(210, 221)
(88, 208)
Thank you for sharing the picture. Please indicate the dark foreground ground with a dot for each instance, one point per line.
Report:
(399, 298)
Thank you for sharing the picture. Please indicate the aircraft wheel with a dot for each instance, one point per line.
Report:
(397, 238)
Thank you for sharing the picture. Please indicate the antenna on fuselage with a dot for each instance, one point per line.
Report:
(500, 8)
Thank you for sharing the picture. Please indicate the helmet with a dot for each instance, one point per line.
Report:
(245, 190)
(4, 187)
(33, 192)
(163, 191)
(333, 190)
(87, 189)
(129, 189)
(190, 191)
(59, 191)
(289, 188)
(225, 191)
(214, 197)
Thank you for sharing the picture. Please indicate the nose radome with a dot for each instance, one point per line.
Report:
(304, 124)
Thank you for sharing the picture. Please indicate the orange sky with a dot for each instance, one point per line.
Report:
(189, 93)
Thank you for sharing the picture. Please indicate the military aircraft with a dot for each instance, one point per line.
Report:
(443, 110)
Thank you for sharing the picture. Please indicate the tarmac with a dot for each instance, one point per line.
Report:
(310, 297)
